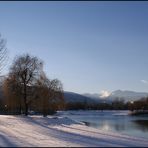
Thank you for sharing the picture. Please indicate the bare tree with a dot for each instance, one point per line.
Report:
(26, 70)
(51, 94)
(56, 94)
(3, 53)
(12, 92)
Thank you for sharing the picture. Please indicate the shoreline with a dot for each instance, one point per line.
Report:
(60, 132)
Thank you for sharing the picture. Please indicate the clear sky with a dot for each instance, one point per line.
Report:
(89, 46)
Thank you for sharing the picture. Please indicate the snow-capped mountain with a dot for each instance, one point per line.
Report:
(126, 95)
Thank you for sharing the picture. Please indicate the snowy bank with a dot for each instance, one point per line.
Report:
(58, 132)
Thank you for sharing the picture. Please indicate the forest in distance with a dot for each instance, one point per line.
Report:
(117, 104)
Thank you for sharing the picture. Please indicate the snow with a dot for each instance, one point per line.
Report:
(56, 131)
(92, 112)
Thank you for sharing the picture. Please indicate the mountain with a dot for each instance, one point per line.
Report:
(126, 95)
(75, 97)
(94, 96)
(98, 98)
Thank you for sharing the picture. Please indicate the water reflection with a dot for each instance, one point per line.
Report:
(142, 125)
(113, 121)
(106, 126)
(120, 126)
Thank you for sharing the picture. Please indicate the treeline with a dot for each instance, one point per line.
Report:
(117, 104)
(141, 104)
(26, 89)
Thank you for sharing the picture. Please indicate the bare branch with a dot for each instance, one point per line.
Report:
(3, 53)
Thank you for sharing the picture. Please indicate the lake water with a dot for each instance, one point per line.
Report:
(118, 121)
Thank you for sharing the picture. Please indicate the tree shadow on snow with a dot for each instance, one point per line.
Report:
(70, 137)
(5, 142)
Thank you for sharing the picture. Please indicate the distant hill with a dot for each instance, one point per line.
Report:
(126, 95)
(94, 96)
(75, 97)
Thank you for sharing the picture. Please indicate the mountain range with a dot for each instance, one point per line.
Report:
(97, 98)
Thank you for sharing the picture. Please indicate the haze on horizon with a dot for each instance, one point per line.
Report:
(90, 46)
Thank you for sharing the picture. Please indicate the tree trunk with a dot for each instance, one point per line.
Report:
(25, 100)
(44, 108)
(26, 109)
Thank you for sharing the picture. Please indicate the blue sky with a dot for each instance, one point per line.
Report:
(89, 46)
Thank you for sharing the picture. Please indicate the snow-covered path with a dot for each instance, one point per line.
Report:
(58, 132)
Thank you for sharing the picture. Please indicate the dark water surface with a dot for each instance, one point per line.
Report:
(118, 121)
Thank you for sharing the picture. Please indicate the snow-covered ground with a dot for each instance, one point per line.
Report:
(58, 131)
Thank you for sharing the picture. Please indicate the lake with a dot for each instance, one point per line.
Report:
(118, 121)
